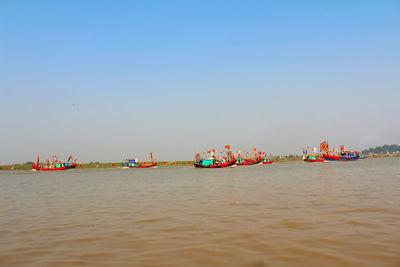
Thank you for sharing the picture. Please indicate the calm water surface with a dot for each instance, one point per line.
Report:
(296, 214)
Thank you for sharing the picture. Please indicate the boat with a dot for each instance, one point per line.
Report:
(249, 159)
(363, 156)
(314, 158)
(49, 165)
(247, 162)
(210, 160)
(265, 159)
(340, 154)
(134, 163)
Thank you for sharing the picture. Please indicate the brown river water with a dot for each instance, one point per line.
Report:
(285, 214)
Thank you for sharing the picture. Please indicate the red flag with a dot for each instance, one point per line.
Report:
(254, 149)
(228, 147)
(37, 162)
(151, 155)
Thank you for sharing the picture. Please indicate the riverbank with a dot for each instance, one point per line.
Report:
(169, 163)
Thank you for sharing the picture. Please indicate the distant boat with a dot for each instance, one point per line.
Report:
(250, 159)
(267, 161)
(210, 160)
(54, 165)
(248, 162)
(134, 163)
(314, 158)
(342, 156)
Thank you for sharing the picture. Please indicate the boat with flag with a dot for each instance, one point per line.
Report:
(341, 154)
(135, 163)
(246, 158)
(314, 156)
(215, 159)
(265, 158)
(50, 164)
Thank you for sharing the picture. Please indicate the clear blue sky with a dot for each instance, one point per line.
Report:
(104, 80)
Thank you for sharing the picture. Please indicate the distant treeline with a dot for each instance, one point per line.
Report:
(382, 149)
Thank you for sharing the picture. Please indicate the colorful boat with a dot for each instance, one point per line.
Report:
(246, 158)
(210, 160)
(134, 163)
(314, 158)
(41, 167)
(342, 156)
(247, 162)
(53, 165)
(267, 161)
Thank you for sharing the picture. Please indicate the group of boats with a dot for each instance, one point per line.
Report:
(338, 154)
(220, 159)
(216, 159)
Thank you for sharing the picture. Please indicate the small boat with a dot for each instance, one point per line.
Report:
(314, 158)
(211, 161)
(267, 161)
(248, 162)
(249, 158)
(134, 163)
(363, 156)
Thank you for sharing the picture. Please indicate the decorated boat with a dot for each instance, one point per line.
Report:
(246, 158)
(247, 162)
(314, 158)
(341, 154)
(135, 163)
(52, 164)
(215, 159)
(265, 159)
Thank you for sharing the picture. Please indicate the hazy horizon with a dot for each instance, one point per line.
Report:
(107, 80)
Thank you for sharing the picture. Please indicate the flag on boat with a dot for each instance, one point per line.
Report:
(228, 147)
(323, 146)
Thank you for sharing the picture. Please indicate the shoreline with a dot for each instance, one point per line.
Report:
(112, 165)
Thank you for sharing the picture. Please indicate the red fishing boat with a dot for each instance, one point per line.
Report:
(247, 162)
(54, 165)
(267, 161)
(314, 158)
(249, 159)
(346, 156)
(210, 160)
(134, 163)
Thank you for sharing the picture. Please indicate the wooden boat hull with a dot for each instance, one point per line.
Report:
(224, 165)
